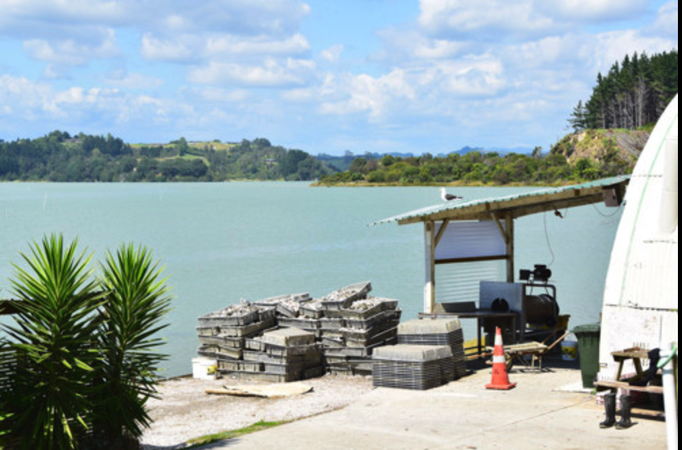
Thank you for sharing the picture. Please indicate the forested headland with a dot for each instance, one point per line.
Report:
(481, 168)
(60, 157)
(610, 132)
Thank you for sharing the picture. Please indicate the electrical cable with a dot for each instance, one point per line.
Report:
(607, 216)
(549, 244)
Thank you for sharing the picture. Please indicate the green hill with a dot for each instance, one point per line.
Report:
(62, 158)
(583, 156)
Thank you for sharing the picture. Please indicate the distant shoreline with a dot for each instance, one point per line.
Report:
(315, 184)
(366, 184)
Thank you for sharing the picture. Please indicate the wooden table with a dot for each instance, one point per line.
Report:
(480, 316)
(621, 357)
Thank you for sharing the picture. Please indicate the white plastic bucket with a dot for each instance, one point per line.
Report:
(569, 350)
(204, 368)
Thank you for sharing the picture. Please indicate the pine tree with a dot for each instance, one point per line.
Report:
(633, 94)
(578, 119)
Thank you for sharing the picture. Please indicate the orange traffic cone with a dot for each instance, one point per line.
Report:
(500, 379)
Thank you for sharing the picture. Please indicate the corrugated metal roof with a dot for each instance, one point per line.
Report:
(520, 205)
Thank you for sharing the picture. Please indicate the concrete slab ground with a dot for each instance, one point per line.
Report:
(538, 414)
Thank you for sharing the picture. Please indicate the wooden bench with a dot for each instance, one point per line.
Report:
(636, 355)
(615, 385)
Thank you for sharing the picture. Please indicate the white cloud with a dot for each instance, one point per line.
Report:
(410, 44)
(73, 32)
(124, 80)
(272, 73)
(213, 94)
(299, 95)
(239, 16)
(236, 17)
(592, 10)
(668, 21)
(227, 45)
(470, 79)
(364, 93)
(71, 52)
(176, 50)
(554, 53)
(484, 19)
(35, 100)
(39, 101)
(56, 12)
(615, 45)
(333, 54)
(493, 20)
(25, 98)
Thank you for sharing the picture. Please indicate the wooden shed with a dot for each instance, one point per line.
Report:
(482, 231)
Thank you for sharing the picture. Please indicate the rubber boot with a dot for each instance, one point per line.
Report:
(625, 421)
(610, 408)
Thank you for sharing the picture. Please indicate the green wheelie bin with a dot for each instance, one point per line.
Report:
(588, 348)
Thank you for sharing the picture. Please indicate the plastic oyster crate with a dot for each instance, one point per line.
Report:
(289, 337)
(312, 310)
(237, 315)
(222, 341)
(343, 298)
(247, 331)
(302, 324)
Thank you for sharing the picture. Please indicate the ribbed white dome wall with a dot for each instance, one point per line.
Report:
(641, 295)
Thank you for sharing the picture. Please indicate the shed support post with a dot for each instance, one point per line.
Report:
(510, 249)
(430, 276)
(507, 233)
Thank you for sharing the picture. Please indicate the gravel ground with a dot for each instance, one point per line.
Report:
(185, 411)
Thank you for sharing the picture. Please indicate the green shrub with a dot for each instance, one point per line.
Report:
(53, 342)
(126, 376)
(85, 361)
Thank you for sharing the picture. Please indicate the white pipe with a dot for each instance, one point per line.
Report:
(670, 397)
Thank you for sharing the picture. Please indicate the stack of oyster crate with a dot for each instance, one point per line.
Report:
(282, 355)
(247, 343)
(348, 324)
(437, 332)
(295, 337)
(415, 367)
(353, 328)
(429, 354)
(223, 334)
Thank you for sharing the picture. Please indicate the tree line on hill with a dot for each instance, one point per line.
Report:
(633, 94)
(59, 157)
(478, 167)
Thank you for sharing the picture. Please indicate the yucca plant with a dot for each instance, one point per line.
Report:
(136, 301)
(52, 339)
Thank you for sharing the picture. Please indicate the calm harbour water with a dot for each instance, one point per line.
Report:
(221, 243)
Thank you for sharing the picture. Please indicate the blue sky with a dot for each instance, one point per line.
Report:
(324, 76)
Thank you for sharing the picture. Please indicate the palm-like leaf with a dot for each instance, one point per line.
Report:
(137, 300)
(52, 340)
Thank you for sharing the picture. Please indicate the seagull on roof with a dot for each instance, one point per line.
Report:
(448, 197)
